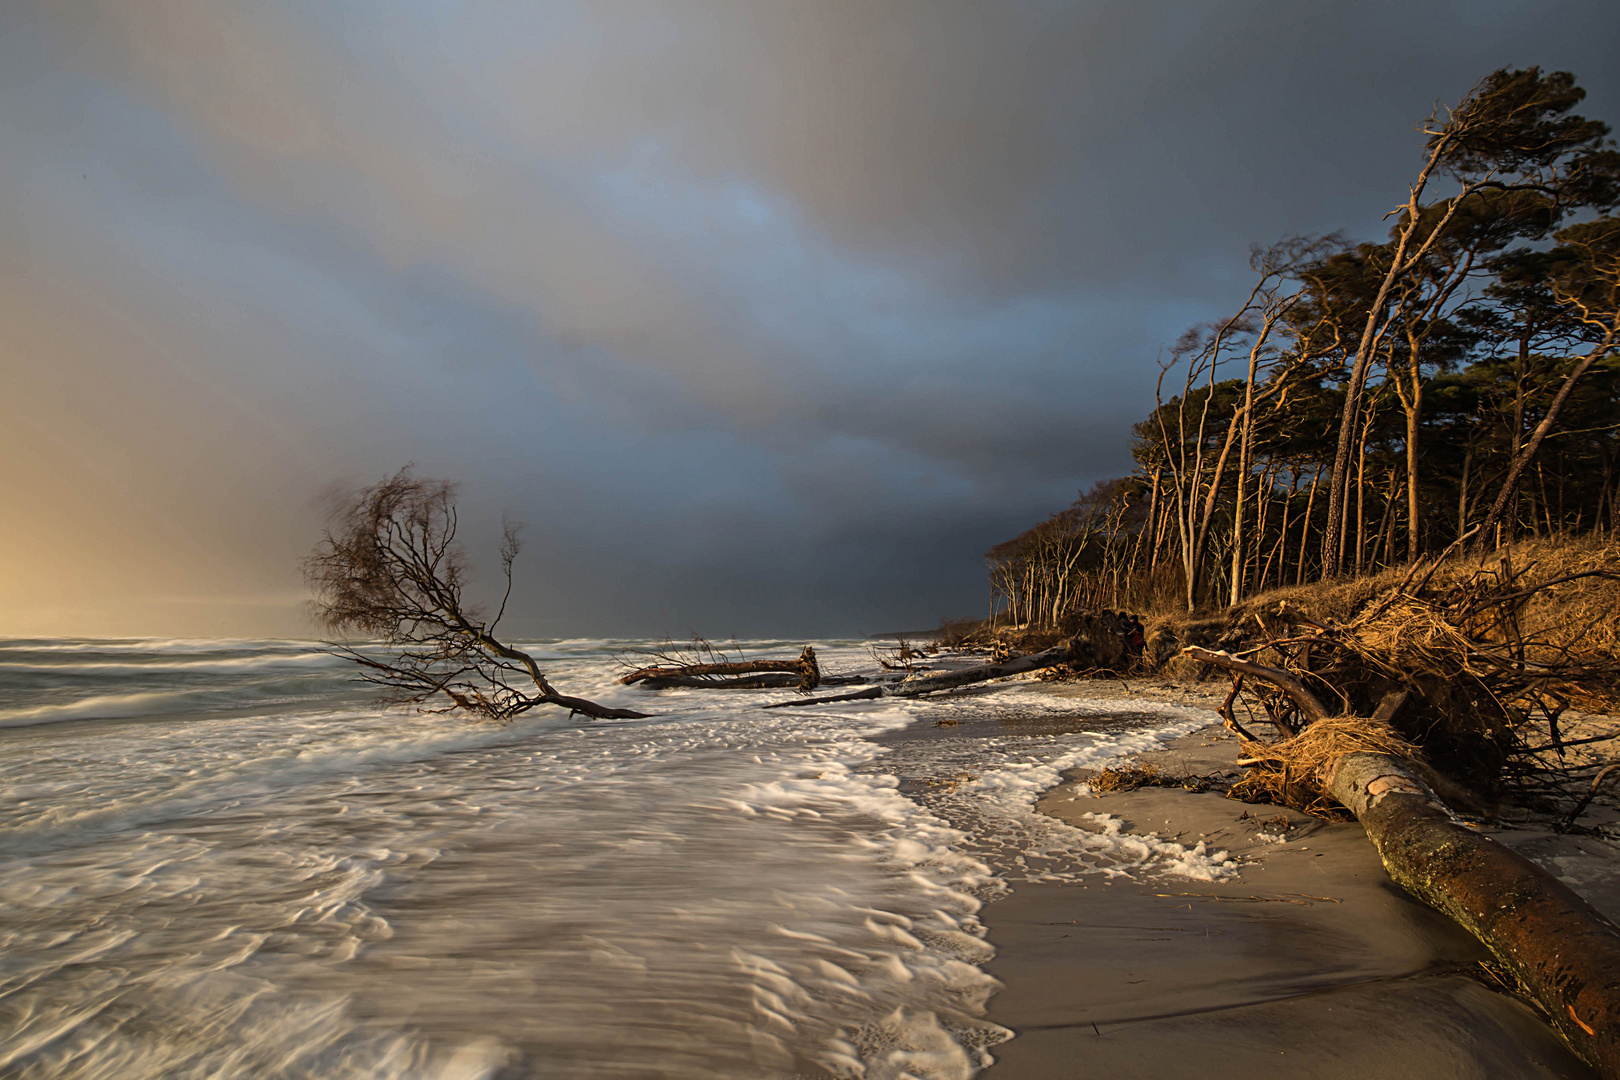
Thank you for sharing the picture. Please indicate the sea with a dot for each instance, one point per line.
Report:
(224, 858)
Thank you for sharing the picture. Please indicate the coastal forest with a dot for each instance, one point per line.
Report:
(1451, 386)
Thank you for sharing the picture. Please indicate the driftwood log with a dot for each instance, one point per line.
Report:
(803, 672)
(769, 680)
(1564, 953)
(948, 680)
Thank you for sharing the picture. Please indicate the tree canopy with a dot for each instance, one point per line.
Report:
(1368, 404)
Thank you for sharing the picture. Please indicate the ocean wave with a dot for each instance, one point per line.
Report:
(765, 874)
(181, 645)
(144, 703)
(224, 666)
(282, 854)
(307, 749)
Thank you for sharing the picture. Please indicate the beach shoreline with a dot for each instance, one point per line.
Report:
(1308, 961)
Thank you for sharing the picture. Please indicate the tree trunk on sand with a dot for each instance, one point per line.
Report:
(1563, 951)
(949, 680)
(806, 672)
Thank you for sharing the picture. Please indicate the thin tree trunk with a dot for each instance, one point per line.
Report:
(1414, 511)
(1462, 488)
(1361, 499)
(1145, 535)
(1522, 459)
(1245, 438)
(1280, 552)
(1160, 527)
(1521, 375)
(1546, 506)
(1262, 511)
(1400, 263)
(1305, 525)
(1384, 546)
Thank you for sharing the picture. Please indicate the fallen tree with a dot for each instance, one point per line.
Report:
(706, 668)
(1563, 953)
(763, 681)
(389, 568)
(1500, 662)
(948, 680)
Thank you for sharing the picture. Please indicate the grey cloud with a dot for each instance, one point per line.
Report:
(763, 315)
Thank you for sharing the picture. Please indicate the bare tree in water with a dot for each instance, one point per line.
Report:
(389, 569)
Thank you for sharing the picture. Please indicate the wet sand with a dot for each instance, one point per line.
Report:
(1311, 963)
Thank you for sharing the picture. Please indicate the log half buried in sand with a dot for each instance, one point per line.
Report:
(1564, 953)
(805, 673)
(1562, 950)
(948, 680)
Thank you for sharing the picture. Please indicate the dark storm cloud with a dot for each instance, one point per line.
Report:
(766, 317)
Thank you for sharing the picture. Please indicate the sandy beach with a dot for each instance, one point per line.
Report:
(1309, 962)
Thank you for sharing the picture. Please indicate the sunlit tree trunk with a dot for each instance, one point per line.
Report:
(1601, 312)
(1305, 524)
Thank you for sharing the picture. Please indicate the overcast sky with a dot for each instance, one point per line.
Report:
(766, 318)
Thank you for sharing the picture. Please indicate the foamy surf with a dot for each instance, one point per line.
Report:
(219, 885)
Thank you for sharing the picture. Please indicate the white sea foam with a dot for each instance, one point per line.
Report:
(261, 693)
(263, 890)
(1015, 787)
(107, 707)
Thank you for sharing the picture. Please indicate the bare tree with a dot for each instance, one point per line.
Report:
(1272, 303)
(1196, 471)
(389, 568)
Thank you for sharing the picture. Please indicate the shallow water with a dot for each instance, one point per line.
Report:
(221, 859)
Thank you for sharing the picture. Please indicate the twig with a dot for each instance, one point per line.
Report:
(1591, 793)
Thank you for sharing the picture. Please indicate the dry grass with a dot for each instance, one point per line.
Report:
(1296, 772)
(1577, 614)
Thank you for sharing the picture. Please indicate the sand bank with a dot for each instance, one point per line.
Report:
(1310, 963)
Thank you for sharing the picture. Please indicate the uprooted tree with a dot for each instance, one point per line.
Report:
(1445, 692)
(389, 569)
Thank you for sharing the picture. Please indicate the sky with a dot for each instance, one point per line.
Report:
(765, 319)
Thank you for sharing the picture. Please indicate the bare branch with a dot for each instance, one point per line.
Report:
(1308, 703)
(389, 568)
